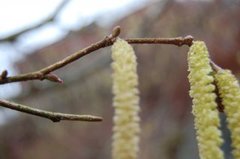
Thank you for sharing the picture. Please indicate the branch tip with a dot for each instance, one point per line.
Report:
(189, 40)
(116, 31)
(89, 118)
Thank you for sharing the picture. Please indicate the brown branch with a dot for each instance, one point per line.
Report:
(50, 18)
(107, 41)
(46, 73)
(179, 41)
(55, 117)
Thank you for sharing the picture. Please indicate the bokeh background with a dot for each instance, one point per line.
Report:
(56, 29)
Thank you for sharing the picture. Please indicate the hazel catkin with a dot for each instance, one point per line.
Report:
(229, 90)
(126, 102)
(206, 119)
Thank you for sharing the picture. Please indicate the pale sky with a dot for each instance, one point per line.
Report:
(16, 15)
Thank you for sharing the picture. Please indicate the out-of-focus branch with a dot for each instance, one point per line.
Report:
(55, 117)
(50, 18)
(45, 73)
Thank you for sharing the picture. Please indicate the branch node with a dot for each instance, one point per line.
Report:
(53, 77)
(55, 119)
(188, 40)
(40, 75)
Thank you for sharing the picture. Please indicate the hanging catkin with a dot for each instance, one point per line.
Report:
(204, 105)
(230, 94)
(126, 102)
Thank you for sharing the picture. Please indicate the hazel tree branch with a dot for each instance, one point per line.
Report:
(45, 73)
(55, 117)
(179, 41)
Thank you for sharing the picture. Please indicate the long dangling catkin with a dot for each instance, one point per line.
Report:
(230, 94)
(126, 102)
(204, 105)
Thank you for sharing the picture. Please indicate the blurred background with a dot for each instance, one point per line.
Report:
(35, 34)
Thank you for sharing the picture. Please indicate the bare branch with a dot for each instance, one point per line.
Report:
(55, 117)
(107, 41)
(46, 73)
(51, 18)
(179, 41)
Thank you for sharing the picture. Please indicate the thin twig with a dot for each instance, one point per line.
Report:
(55, 117)
(179, 41)
(107, 41)
(46, 73)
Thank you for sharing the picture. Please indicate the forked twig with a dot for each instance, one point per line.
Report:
(45, 73)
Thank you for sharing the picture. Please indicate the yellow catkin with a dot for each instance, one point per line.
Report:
(230, 94)
(126, 102)
(206, 118)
